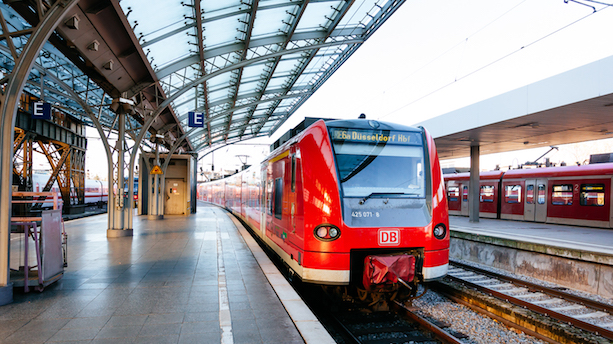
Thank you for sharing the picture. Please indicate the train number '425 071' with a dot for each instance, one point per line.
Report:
(365, 214)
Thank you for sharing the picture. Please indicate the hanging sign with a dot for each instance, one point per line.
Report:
(41, 110)
(195, 119)
(156, 170)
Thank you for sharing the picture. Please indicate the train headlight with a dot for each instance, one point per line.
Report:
(327, 232)
(322, 232)
(333, 232)
(440, 231)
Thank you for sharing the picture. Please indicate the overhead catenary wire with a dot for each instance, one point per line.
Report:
(496, 61)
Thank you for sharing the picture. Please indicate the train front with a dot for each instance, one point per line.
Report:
(392, 224)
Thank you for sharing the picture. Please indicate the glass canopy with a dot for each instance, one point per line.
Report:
(248, 65)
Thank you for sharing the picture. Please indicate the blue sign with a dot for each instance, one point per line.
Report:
(41, 110)
(196, 119)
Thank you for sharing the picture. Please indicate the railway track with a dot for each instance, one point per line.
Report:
(400, 325)
(580, 312)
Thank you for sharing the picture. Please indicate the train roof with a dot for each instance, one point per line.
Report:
(466, 175)
(369, 124)
(562, 171)
(339, 123)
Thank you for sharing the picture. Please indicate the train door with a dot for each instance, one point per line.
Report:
(454, 201)
(464, 209)
(530, 201)
(292, 191)
(540, 212)
(269, 200)
(244, 195)
(263, 200)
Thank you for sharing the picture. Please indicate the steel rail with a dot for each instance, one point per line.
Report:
(546, 290)
(409, 315)
(601, 331)
(449, 293)
(438, 332)
(346, 332)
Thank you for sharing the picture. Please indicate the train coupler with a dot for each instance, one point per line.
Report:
(384, 272)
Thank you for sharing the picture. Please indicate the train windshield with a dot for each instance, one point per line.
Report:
(381, 163)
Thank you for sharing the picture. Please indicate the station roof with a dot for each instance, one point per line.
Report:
(247, 65)
(574, 106)
(253, 63)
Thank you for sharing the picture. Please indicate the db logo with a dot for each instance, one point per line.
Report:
(389, 237)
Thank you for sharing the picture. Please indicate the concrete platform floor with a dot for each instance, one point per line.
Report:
(184, 279)
(597, 240)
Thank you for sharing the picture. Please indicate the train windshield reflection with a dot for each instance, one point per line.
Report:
(368, 167)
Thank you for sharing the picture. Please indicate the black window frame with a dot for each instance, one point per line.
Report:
(278, 198)
(582, 198)
(293, 182)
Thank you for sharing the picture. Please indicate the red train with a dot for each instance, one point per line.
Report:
(572, 195)
(347, 202)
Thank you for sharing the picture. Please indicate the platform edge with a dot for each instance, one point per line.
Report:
(311, 330)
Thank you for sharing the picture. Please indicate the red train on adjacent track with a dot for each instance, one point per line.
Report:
(347, 202)
(571, 195)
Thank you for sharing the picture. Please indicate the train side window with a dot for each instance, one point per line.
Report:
(512, 193)
(465, 193)
(530, 194)
(453, 192)
(278, 197)
(562, 194)
(541, 194)
(487, 193)
(592, 195)
(293, 173)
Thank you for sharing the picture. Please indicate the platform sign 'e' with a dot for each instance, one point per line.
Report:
(41, 110)
(389, 237)
(195, 119)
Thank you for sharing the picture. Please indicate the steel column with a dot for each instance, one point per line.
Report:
(121, 214)
(474, 187)
(157, 202)
(8, 111)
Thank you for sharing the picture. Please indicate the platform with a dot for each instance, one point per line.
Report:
(575, 257)
(184, 279)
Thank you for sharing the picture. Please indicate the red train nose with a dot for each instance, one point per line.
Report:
(384, 270)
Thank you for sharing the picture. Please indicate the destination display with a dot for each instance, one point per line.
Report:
(376, 136)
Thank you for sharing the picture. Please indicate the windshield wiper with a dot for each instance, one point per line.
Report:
(382, 194)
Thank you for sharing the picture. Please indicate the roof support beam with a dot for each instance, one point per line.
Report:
(289, 36)
(205, 94)
(341, 13)
(276, 39)
(381, 16)
(170, 99)
(234, 109)
(224, 145)
(239, 77)
(237, 11)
